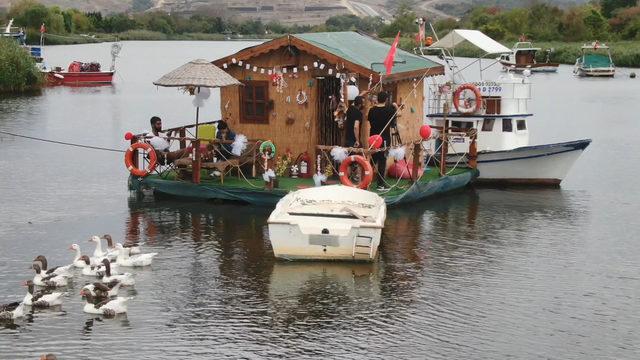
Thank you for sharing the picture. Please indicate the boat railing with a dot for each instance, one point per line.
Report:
(441, 95)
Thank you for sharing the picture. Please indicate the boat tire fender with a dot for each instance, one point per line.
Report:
(468, 110)
(366, 169)
(128, 159)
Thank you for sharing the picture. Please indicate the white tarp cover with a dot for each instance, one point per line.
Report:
(475, 37)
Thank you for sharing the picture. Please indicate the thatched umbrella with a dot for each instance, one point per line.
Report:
(197, 74)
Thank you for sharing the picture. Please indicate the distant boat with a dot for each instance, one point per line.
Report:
(84, 74)
(595, 60)
(36, 52)
(523, 57)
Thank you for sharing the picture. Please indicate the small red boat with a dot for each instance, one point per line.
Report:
(80, 74)
(84, 74)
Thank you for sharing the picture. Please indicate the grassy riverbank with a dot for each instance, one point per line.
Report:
(18, 72)
(140, 35)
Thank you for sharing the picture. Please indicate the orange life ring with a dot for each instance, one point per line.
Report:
(366, 168)
(467, 110)
(128, 159)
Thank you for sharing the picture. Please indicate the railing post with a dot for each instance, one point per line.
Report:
(444, 149)
(183, 134)
(195, 164)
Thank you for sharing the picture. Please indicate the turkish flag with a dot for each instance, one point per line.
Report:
(388, 61)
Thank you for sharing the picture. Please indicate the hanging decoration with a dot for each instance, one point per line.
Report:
(397, 153)
(339, 153)
(302, 97)
(239, 145)
(201, 95)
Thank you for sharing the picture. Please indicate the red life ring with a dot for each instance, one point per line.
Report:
(467, 110)
(366, 168)
(128, 159)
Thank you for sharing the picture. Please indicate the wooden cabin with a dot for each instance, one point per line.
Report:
(279, 75)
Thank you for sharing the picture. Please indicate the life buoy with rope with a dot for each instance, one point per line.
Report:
(466, 108)
(366, 169)
(128, 159)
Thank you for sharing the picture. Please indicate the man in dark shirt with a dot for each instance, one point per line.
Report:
(381, 119)
(354, 119)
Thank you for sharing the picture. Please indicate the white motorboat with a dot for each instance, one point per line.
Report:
(595, 61)
(497, 114)
(333, 222)
(523, 57)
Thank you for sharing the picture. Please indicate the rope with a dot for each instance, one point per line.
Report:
(62, 142)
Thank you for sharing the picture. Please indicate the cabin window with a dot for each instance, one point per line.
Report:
(507, 125)
(254, 99)
(487, 124)
(491, 104)
(521, 125)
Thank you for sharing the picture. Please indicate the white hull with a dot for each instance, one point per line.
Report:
(530, 165)
(327, 223)
(596, 72)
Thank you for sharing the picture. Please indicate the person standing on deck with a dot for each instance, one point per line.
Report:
(354, 119)
(381, 118)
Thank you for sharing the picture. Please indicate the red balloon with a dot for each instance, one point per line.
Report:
(128, 135)
(375, 141)
(425, 132)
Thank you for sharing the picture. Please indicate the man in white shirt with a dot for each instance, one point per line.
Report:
(161, 144)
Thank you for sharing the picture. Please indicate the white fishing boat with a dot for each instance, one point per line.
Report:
(333, 222)
(595, 61)
(496, 114)
(523, 57)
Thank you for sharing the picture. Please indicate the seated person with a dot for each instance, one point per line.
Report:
(225, 133)
(160, 143)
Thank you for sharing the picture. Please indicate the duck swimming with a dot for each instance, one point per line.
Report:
(124, 259)
(42, 279)
(108, 307)
(58, 270)
(11, 311)
(126, 278)
(42, 298)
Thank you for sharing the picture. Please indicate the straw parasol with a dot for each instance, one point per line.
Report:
(197, 74)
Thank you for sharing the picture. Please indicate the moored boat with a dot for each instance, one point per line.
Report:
(333, 222)
(84, 74)
(496, 115)
(523, 57)
(595, 61)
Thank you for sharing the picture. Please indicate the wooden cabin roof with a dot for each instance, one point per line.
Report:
(358, 52)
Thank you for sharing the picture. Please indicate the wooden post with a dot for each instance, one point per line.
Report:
(195, 162)
(416, 161)
(444, 149)
(473, 150)
(183, 134)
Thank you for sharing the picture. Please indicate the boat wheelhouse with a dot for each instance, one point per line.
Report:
(523, 57)
(595, 61)
(290, 111)
(495, 114)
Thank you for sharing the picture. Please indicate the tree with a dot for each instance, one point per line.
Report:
(609, 6)
(596, 23)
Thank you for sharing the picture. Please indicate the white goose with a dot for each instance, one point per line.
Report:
(58, 270)
(42, 279)
(77, 262)
(11, 311)
(126, 279)
(124, 259)
(100, 290)
(98, 253)
(107, 307)
(133, 249)
(42, 298)
(95, 270)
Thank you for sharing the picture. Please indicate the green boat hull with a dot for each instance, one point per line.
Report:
(253, 192)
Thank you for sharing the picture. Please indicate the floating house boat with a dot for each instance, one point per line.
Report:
(495, 114)
(85, 74)
(288, 108)
(595, 61)
(523, 57)
(332, 222)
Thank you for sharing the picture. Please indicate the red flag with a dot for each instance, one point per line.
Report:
(388, 61)
(43, 29)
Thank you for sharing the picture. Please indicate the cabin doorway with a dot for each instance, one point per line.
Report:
(328, 99)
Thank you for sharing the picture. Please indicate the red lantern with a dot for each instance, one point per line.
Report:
(425, 132)
(375, 141)
(128, 135)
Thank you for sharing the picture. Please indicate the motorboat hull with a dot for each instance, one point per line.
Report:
(539, 165)
(595, 72)
(80, 78)
(536, 67)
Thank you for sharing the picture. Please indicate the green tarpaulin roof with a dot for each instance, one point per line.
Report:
(365, 51)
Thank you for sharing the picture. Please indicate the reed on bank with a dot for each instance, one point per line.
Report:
(18, 72)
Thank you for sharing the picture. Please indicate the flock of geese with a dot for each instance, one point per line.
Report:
(101, 296)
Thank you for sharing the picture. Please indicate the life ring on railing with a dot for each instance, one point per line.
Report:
(271, 146)
(128, 159)
(366, 169)
(465, 108)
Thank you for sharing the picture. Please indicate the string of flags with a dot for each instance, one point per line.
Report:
(284, 70)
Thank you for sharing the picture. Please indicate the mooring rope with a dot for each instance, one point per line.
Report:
(62, 142)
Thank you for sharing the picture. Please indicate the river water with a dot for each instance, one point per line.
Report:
(486, 273)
